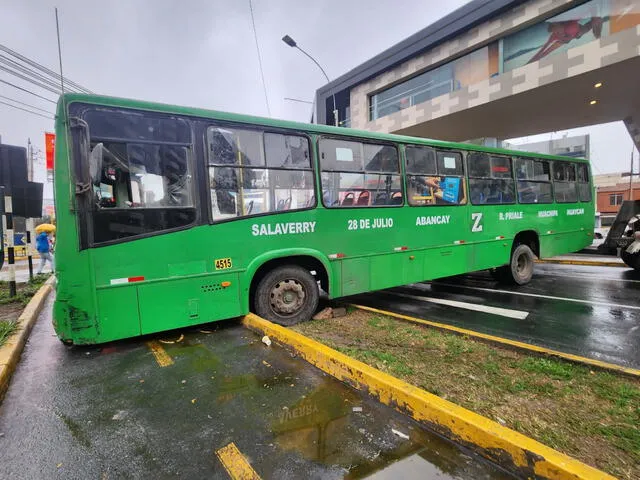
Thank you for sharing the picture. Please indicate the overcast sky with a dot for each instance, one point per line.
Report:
(202, 53)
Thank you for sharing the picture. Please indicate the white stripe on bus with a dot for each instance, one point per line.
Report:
(503, 312)
(549, 297)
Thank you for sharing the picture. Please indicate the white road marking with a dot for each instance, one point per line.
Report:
(504, 312)
(550, 297)
(581, 275)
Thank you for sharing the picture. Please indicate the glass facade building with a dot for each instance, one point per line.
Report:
(579, 25)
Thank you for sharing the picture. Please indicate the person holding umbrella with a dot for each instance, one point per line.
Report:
(44, 247)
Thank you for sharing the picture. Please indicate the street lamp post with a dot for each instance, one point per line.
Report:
(292, 43)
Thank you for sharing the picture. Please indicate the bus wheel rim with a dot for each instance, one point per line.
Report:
(522, 264)
(287, 297)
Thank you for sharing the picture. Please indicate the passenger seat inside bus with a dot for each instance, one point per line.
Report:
(363, 198)
(347, 201)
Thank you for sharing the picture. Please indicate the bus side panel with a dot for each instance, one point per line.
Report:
(356, 273)
(491, 254)
(563, 243)
(446, 261)
(118, 313)
(386, 271)
(189, 301)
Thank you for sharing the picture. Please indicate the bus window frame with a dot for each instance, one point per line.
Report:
(511, 177)
(363, 141)
(575, 182)
(436, 150)
(85, 223)
(589, 182)
(550, 181)
(208, 123)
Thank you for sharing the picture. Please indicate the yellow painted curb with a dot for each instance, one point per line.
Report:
(512, 450)
(590, 263)
(12, 349)
(510, 343)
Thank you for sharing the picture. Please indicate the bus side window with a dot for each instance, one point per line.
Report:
(584, 186)
(533, 180)
(356, 174)
(434, 177)
(253, 172)
(564, 182)
(146, 187)
(490, 179)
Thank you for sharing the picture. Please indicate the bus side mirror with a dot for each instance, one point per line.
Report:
(80, 154)
(95, 163)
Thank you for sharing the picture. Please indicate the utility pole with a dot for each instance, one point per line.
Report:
(29, 221)
(29, 160)
(8, 221)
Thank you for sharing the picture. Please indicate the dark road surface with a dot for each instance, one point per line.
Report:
(113, 412)
(589, 311)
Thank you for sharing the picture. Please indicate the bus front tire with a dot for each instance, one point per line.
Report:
(287, 295)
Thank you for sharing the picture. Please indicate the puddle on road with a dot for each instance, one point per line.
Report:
(299, 412)
(337, 427)
(289, 418)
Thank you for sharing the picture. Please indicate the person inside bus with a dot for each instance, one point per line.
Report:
(437, 190)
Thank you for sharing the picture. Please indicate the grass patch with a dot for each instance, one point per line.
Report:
(550, 367)
(593, 416)
(7, 327)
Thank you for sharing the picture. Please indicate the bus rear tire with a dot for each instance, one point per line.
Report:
(287, 295)
(520, 268)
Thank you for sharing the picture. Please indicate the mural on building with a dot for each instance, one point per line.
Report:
(575, 27)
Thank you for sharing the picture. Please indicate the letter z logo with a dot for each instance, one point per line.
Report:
(477, 222)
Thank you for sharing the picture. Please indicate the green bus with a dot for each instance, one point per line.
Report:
(172, 216)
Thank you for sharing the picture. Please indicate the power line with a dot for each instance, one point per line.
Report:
(21, 68)
(30, 80)
(26, 104)
(298, 100)
(27, 91)
(44, 69)
(255, 36)
(28, 111)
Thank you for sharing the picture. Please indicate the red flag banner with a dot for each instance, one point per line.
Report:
(49, 146)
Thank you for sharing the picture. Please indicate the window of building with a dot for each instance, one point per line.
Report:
(616, 199)
(141, 174)
(434, 177)
(570, 28)
(356, 174)
(533, 181)
(490, 179)
(584, 186)
(564, 181)
(252, 172)
(466, 70)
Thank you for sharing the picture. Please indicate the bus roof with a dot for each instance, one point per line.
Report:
(271, 122)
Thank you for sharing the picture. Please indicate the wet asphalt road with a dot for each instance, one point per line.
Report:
(595, 311)
(113, 412)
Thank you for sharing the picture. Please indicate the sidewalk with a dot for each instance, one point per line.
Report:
(22, 269)
(585, 259)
